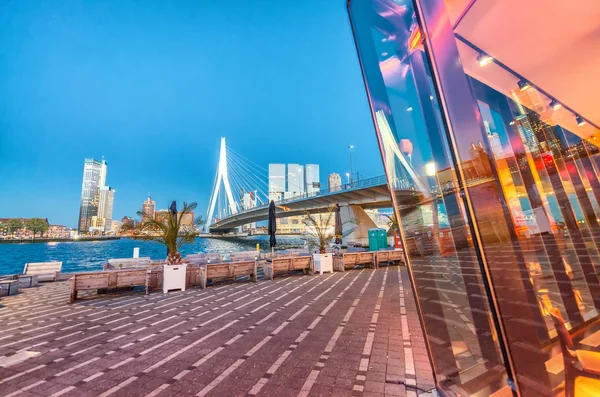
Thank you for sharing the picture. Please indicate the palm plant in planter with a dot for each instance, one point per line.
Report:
(169, 230)
(321, 234)
(319, 229)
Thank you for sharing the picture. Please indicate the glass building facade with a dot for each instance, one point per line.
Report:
(94, 176)
(495, 182)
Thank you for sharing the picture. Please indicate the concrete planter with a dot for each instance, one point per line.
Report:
(323, 263)
(174, 277)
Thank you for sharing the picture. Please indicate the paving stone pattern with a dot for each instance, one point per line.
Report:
(343, 334)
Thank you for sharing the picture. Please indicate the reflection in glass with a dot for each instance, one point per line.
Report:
(498, 204)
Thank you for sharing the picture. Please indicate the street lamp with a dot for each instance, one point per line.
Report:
(350, 147)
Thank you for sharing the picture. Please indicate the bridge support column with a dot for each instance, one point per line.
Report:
(356, 224)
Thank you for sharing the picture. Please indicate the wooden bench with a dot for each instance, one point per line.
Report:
(203, 258)
(288, 264)
(244, 255)
(389, 256)
(230, 270)
(351, 260)
(107, 280)
(127, 263)
(9, 287)
(46, 271)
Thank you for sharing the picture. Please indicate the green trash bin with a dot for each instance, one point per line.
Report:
(377, 239)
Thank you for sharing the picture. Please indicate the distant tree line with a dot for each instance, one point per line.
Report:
(34, 225)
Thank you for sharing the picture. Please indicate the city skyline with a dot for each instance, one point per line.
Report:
(77, 86)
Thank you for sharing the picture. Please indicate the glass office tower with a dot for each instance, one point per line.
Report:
(499, 195)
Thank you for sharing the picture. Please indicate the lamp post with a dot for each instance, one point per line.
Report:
(350, 147)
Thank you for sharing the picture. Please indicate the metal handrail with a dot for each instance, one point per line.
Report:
(354, 185)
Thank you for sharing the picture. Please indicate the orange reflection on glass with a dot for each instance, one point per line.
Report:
(415, 39)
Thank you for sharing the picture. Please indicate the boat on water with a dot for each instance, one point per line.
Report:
(53, 242)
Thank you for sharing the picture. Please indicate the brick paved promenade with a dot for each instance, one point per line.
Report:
(347, 334)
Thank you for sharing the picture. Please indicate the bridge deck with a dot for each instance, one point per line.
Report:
(297, 335)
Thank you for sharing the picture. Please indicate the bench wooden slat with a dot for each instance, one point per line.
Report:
(44, 270)
(352, 259)
(287, 264)
(108, 279)
(388, 256)
(228, 270)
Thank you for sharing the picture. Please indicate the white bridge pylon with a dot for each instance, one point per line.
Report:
(222, 176)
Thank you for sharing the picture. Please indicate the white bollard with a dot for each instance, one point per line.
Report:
(136, 253)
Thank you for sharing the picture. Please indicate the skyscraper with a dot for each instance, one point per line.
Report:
(94, 176)
(277, 180)
(295, 180)
(105, 207)
(313, 184)
(335, 182)
(148, 209)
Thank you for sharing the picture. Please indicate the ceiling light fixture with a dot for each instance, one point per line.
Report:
(580, 121)
(484, 59)
(523, 85)
(554, 104)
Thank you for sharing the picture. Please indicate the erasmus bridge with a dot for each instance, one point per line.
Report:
(240, 196)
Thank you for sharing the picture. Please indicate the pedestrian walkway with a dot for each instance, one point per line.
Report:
(344, 334)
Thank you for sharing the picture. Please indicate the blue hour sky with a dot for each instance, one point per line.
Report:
(153, 85)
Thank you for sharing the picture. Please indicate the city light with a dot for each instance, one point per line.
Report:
(484, 59)
(523, 85)
(554, 104)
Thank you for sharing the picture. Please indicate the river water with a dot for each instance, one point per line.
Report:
(91, 255)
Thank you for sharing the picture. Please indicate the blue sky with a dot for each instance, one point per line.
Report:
(153, 85)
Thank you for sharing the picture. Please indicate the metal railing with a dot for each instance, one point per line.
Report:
(354, 185)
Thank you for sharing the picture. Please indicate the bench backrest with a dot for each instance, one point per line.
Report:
(396, 255)
(350, 258)
(243, 268)
(282, 263)
(230, 269)
(384, 256)
(243, 255)
(42, 268)
(128, 263)
(364, 257)
(202, 258)
(96, 280)
(110, 279)
(301, 262)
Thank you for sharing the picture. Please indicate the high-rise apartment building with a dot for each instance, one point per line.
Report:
(94, 176)
(335, 182)
(295, 180)
(148, 209)
(277, 179)
(311, 174)
(105, 207)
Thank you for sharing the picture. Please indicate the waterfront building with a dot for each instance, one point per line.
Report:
(115, 226)
(187, 219)
(21, 232)
(148, 208)
(335, 182)
(498, 192)
(94, 176)
(295, 180)
(248, 200)
(105, 208)
(277, 181)
(313, 185)
(58, 231)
